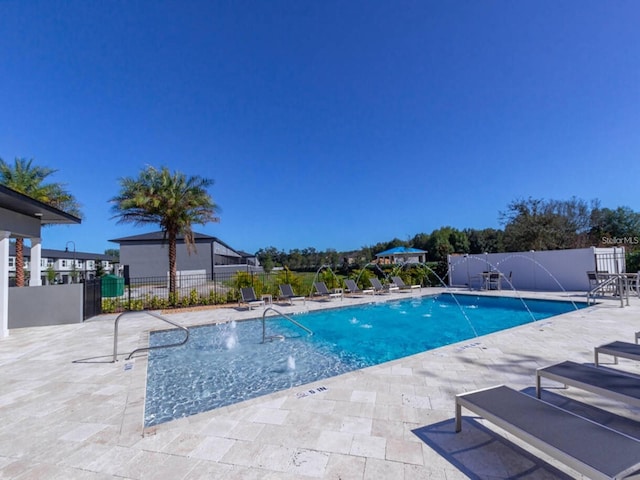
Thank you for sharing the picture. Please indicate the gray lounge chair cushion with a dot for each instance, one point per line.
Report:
(586, 446)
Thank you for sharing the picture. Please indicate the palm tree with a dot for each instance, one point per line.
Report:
(170, 200)
(29, 179)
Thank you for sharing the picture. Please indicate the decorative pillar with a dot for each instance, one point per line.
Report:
(4, 283)
(35, 259)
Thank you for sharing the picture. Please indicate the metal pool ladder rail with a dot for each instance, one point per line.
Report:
(264, 326)
(159, 317)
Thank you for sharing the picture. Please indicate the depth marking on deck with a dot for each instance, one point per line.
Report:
(310, 392)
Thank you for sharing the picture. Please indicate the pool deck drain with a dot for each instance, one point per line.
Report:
(84, 420)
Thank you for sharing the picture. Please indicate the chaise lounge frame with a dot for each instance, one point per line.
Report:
(353, 289)
(286, 293)
(607, 383)
(617, 349)
(248, 297)
(571, 439)
(379, 288)
(398, 282)
(322, 291)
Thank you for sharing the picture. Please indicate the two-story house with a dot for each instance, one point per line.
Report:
(64, 266)
(146, 255)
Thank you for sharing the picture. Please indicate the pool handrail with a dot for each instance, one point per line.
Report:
(264, 327)
(155, 315)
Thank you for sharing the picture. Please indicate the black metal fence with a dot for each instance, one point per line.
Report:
(92, 298)
(139, 293)
(223, 287)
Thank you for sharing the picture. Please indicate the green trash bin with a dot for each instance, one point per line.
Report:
(112, 286)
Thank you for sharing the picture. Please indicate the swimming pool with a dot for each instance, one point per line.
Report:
(227, 363)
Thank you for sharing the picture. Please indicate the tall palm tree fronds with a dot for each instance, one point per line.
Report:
(171, 200)
(29, 179)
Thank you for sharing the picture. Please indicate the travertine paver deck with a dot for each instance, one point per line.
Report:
(67, 413)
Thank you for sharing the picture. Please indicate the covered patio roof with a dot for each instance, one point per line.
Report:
(22, 204)
(401, 255)
(400, 251)
(22, 217)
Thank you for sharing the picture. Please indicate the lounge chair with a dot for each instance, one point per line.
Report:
(618, 349)
(608, 383)
(249, 298)
(379, 288)
(398, 282)
(590, 448)
(352, 287)
(286, 293)
(322, 291)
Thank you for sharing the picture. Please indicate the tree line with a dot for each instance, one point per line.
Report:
(175, 202)
(529, 224)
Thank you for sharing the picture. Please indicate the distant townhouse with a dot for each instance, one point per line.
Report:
(64, 266)
(147, 255)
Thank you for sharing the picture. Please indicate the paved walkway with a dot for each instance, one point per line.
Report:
(69, 414)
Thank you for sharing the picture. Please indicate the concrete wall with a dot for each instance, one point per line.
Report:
(45, 305)
(554, 270)
(152, 259)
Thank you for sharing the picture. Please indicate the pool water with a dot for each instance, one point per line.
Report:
(227, 363)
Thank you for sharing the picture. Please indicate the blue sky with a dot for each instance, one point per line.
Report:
(325, 124)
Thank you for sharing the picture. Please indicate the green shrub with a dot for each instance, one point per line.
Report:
(363, 277)
(286, 276)
(633, 262)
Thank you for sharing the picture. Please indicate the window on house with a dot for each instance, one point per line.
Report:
(12, 262)
(64, 263)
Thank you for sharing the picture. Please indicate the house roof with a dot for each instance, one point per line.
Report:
(51, 253)
(25, 205)
(400, 251)
(160, 236)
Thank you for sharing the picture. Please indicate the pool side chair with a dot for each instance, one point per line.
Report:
(286, 293)
(617, 349)
(593, 449)
(249, 298)
(609, 383)
(352, 288)
(321, 290)
(379, 288)
(495, 281)
(398, 282)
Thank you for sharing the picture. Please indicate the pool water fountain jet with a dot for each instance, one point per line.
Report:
(535, 262)
(450, 292)
(291, 363)
(495, 269)
(315, 277)
(386, 277)
(230, 336)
